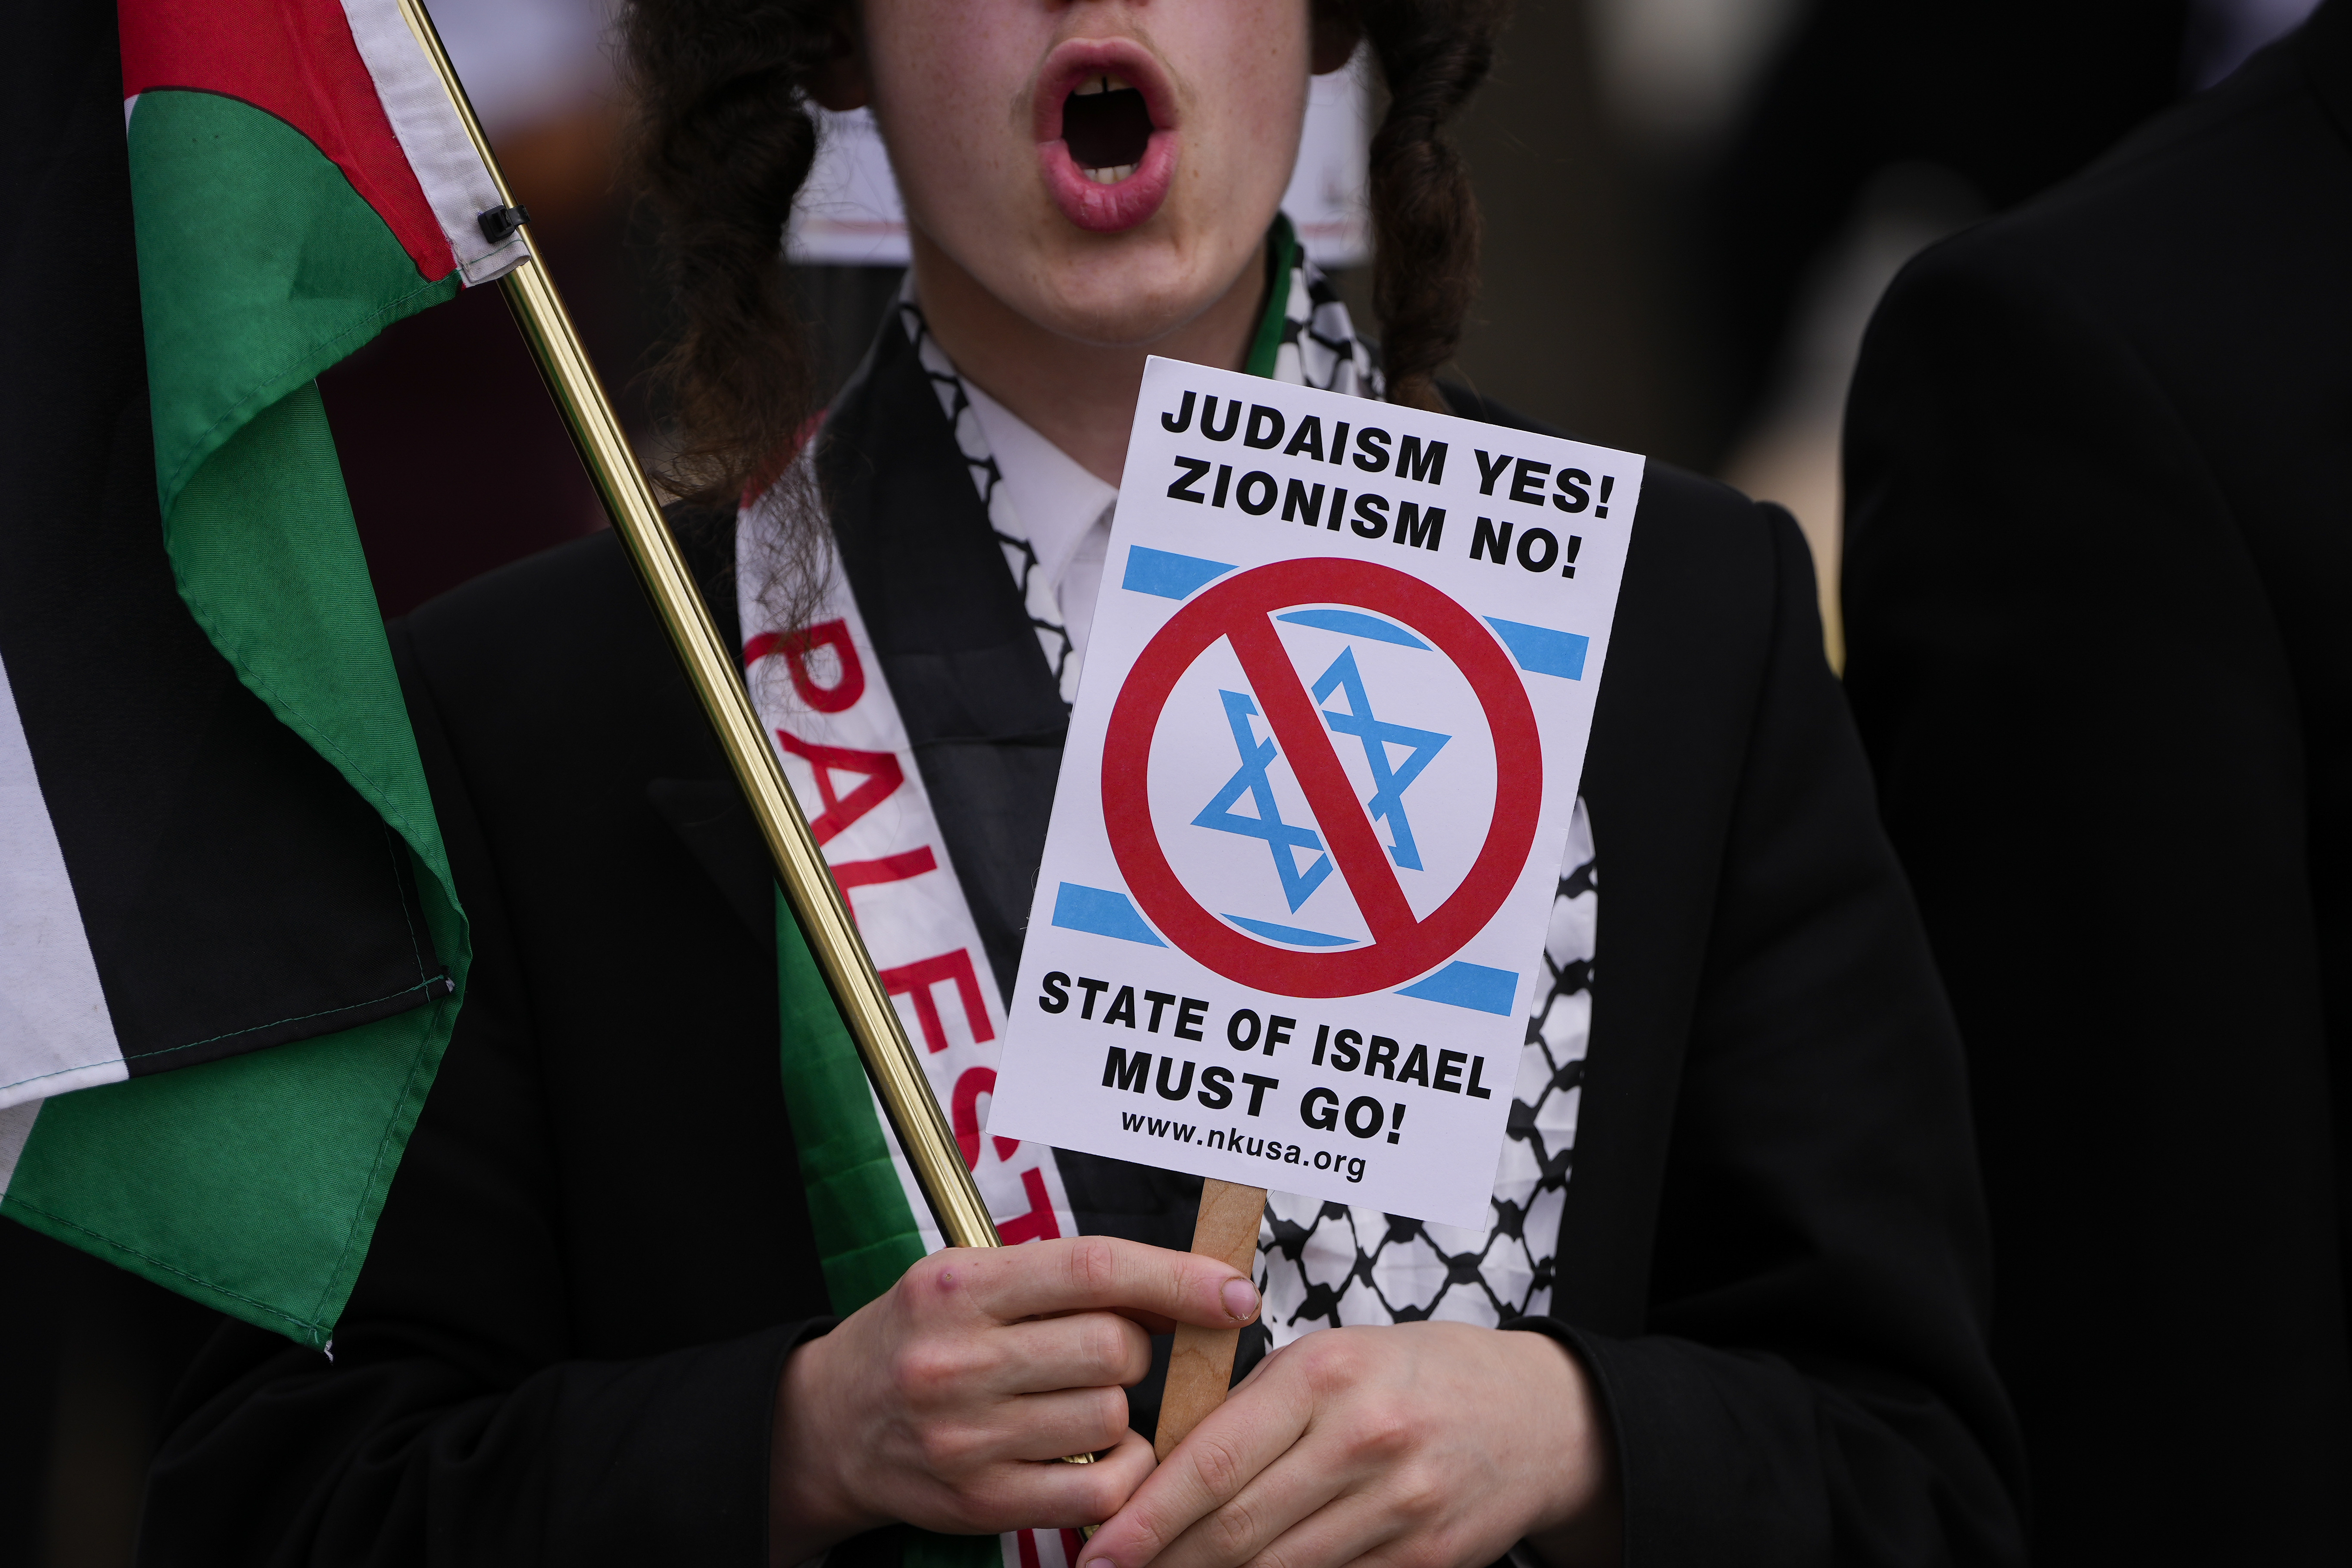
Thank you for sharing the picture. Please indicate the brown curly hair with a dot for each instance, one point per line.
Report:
(724, 140)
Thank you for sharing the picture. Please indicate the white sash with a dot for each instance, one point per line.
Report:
(845, 750)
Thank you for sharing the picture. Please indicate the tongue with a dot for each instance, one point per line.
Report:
(1107, 129)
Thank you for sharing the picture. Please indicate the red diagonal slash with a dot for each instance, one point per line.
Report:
(1299, 731)
(1239, 610)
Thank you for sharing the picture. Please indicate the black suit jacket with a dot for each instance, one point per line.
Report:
(2099, 604)
(566, 1344)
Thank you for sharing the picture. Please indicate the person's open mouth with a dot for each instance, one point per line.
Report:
(1106, 132)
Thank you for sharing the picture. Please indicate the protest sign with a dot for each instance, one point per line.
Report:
(1315, 793)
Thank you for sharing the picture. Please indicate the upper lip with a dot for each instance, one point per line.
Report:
(1076, 59)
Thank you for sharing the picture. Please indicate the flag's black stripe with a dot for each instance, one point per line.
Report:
(236, 894)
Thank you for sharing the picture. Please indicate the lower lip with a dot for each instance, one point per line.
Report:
(1108, 209)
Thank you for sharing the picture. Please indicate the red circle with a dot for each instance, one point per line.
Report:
(1127, 762)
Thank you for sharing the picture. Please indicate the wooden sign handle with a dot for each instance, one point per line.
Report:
(1203, 1361)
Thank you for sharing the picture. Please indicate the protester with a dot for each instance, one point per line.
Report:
(2097, 461)
(594, 1327)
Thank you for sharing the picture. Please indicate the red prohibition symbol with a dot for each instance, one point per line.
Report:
(1241, 610)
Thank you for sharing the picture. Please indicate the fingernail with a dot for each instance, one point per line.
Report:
(1241, 1305)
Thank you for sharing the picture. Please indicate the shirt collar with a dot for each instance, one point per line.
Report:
(1056, 501)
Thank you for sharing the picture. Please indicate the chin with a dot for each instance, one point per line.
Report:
(1125, 296)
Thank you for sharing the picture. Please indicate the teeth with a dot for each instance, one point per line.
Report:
(1094, 84)
(1111, 176)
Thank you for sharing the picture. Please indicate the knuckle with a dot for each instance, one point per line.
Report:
(1151, 1536)
(1093, 1264)
(1104, 1348)
(1110, 1417)
(926, 1282)
(948, 1452)
(1230, 1531)
(1415, 1498)
(928, 1373)
(1333, 1361)
(1382, 1428)
(1218, 1465)
(1102, 1496)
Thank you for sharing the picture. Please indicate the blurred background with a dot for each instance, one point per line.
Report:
(1691, 207)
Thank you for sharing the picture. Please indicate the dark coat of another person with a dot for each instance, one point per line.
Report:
(2098, 595)
(2005, 97)
(564, 1346)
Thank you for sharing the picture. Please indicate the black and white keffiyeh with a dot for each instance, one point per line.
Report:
(1319, 347)
(1038, 595)
(1322, 1265)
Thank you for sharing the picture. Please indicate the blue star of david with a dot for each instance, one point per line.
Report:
(1389, 783)
(1283, 840)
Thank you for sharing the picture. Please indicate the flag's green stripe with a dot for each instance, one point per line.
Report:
(251, 1185)
(254, 1184)
(269, 560)
(865, 1232)
(1283, 243)
(258, 268)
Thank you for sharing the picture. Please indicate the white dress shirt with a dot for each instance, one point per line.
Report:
(1064, 510)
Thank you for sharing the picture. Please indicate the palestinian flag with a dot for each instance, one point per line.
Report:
(230, 951)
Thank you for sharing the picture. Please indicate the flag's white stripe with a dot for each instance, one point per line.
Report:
(129, 104)
(456, 183)
(55, 1033)
(16, 1126)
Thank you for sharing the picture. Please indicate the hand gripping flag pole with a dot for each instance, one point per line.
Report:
(891, 1060)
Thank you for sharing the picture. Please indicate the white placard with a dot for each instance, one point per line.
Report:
(1316, 793)
(849, 214)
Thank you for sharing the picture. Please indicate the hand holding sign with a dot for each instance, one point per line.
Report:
(1430, 1443)
(933, 1403)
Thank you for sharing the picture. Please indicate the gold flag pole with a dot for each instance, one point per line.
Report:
(890, 1060)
